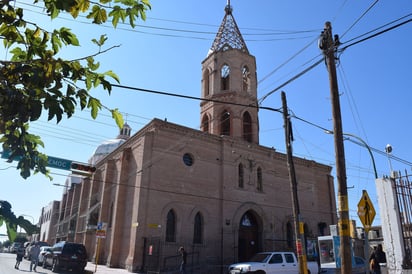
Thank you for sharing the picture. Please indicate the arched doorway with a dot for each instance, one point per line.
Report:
(249, 243)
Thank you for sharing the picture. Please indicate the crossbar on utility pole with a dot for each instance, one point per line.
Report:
(328, 45)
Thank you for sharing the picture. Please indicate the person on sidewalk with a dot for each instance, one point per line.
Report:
(34, 257)
(184, 259)
(19, 256)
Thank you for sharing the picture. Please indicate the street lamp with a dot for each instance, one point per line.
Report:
(374, 169)
(364, 144)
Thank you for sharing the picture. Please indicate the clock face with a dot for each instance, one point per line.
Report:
(188, 159)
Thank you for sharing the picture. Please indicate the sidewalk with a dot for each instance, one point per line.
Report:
(102, 269)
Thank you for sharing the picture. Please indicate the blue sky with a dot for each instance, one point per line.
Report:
(165, 52)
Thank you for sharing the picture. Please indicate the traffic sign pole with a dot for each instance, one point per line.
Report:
(366, 213)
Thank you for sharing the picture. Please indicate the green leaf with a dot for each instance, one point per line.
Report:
(118, 117)
(82, 95)
(36, 77)
(117, 14)
(101, 41)
(90, 63)
(95, 105)
(56, 42)
(112, 75)
(35, 110)
(11, 231)
(68, 37)
(98, 15)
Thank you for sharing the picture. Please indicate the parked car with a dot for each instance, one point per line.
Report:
(43, 251)
(272, 263)
(359, 266)
(66, 255)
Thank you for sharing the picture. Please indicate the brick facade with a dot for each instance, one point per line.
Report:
(215, 191)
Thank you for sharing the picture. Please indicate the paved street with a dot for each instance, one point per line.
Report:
(8, 260)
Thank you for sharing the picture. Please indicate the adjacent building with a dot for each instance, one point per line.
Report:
(213, 190)
(49, 217)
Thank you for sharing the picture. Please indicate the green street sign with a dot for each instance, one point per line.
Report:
(59, 163)
(53, 162)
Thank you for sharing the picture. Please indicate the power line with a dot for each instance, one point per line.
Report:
(262, 32)
(376, 34)
(357, 20)
(290, 80)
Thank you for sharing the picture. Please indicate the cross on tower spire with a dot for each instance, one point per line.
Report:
(228, 8)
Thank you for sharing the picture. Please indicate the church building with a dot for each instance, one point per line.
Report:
(213, 190)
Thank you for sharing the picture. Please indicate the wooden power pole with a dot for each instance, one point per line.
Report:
(299, 228)
(328, 44)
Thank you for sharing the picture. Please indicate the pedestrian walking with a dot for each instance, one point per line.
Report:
(374, 266)
(184, 259)
(19, 256)
(380, 254)
(34, 257)
(377, 257)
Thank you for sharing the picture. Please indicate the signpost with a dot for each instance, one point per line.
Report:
(100, 234)
(366, 213)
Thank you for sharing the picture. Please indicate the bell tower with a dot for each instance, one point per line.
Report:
(229, 85)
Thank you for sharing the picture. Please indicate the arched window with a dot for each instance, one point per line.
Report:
(171, 226)
(198, 229)
(247, 127)
(248, 220)
(205, 123)
(225, 77)
(225, 123)
(289, 234)
(241, 176)
(259, 185)
(245, 78)
(206, 86)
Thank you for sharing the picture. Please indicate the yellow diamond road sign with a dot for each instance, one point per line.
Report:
(366, 211)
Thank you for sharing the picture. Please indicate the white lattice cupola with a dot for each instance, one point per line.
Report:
(229, 82)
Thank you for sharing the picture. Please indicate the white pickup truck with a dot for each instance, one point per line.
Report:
(272, 263)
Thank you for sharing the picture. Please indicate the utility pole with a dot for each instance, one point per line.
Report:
(299, 228)
(328, 44)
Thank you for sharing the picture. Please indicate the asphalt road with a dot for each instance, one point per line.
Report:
(8, 260)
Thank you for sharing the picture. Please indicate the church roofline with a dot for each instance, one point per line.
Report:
(158, 124)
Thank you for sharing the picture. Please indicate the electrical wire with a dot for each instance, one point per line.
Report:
(262, 32)
(378, 28)
(287, 61)
(287, 82)
(357, 20)
(376, 34)
(290, 80)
